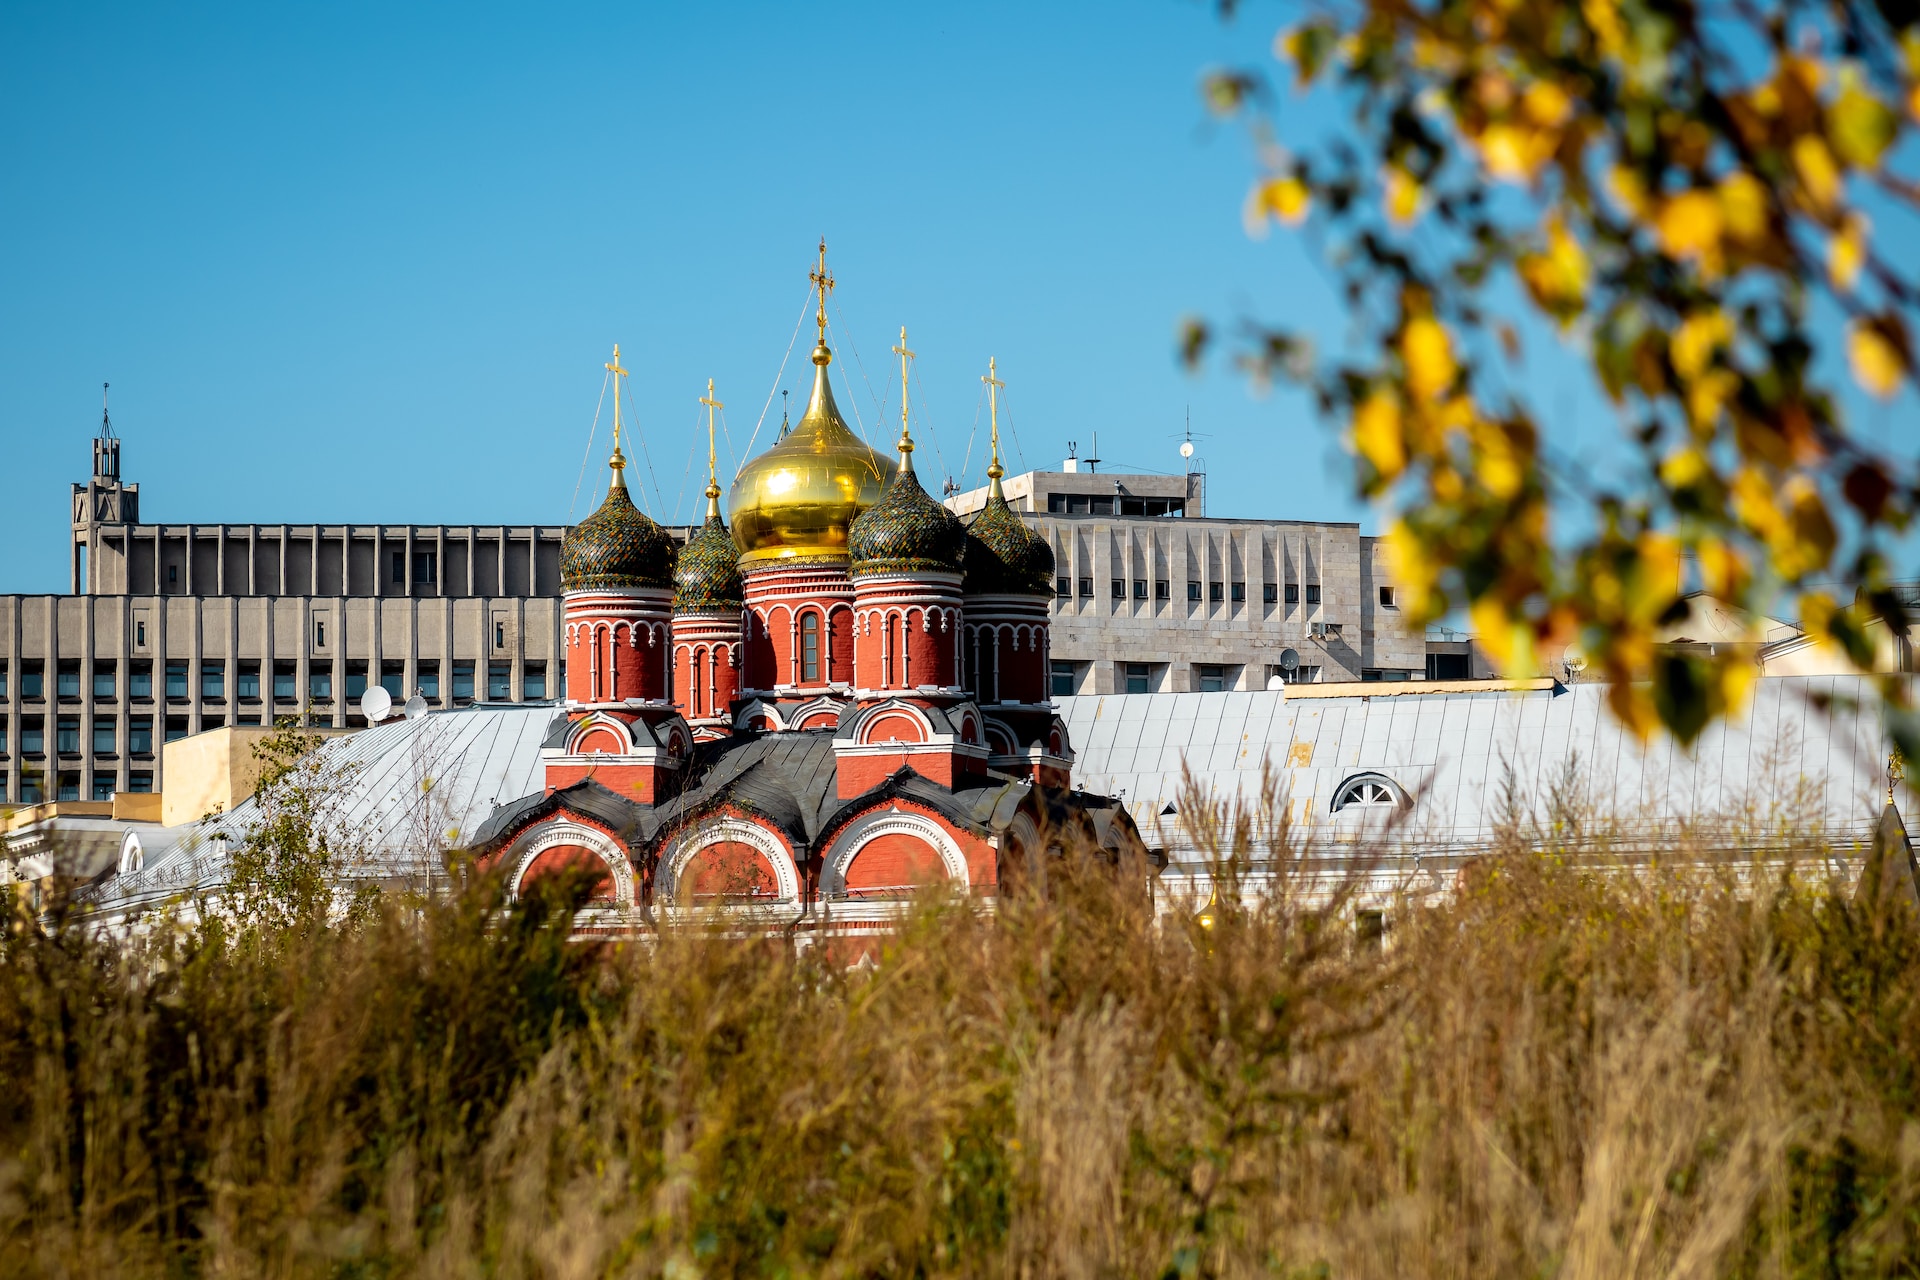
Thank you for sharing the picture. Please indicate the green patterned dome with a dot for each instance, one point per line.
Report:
(906, 531)
(707, 577)
(1004, 556)
(616, 546)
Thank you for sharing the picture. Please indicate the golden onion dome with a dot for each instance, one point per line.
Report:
(798, 500)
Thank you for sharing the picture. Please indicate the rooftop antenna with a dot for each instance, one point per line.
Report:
(1093, 459)
(106, 421)
(1186, 439)
(106, 445)
(376, 704)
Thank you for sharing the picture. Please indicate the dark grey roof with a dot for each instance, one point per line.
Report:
(586, 797)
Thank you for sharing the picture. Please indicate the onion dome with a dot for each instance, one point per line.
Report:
(1004, 556)
(617, 546)
(906, 531)
(706, 578)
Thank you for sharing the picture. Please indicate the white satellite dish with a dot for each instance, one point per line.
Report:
(416, 707)
(1186, 448)
(1275, 682)
(1575, 661)
(376, 704)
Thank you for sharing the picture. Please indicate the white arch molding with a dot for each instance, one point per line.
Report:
(688, 844)
(554, 834)
(867, 828)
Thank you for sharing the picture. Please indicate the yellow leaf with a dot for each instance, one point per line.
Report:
(1628, 191)
(1877, 363)
(1376, 434)
(1861, 126)
(1700, 335)
(1610, 33)
(1287, 199)
(1683, 467)
(1690, 225)
(1403, 196)
(1709, 394)
(1818, 173)
(1428, 352)
(1546, 104)
(1847, 251)
(1743, 205)
(1512, 152)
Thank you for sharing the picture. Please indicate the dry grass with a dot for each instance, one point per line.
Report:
(1552, 1071)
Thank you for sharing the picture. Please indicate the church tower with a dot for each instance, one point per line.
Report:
(616, 582)
(707, 601)
(906, 554)
(792, 507)
(1005, 646)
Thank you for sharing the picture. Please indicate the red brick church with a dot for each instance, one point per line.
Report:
(805, 716)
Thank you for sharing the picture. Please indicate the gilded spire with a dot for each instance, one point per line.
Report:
(618, 462)
(994, 470)
(906, 437)
(822, 285)
(713, 475)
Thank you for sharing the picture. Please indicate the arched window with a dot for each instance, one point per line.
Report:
(1367, 790)
(809, 648)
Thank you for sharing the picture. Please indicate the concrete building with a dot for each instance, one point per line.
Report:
(1151, 595)
(173, 629)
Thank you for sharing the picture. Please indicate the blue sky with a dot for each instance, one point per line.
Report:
(358, 262)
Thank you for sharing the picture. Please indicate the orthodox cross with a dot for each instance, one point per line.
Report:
(713, 475)
(618, 373)
(994, 387)
(906, 440)
(823, 283)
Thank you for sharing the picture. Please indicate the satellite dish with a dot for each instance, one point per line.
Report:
(1575, 661)
(376, 704)
(1289, 660)
(1275, 682)
(416, 707)
(1186, 448)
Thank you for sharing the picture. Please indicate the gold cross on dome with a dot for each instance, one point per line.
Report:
(994, 387)
(905, 355)
(822, 282)
(713, 472)
(618, 373)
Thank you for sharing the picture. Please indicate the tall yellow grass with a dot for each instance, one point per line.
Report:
(1561, 1068)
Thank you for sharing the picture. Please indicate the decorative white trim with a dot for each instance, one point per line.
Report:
(675, 857)
(869, 827)
(537, 841)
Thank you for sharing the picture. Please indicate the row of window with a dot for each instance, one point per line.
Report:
(177, 679)
(1150, 677)
(66, 736)
(67, 786)
(1215, 592)
(1086, 504)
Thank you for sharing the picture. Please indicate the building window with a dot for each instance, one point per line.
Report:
(177, 681)
(809, 648)
(1370, 790)
(1293, 593)
(1162, 589)
(1139, 588)
(1063, 588)
(1386, 674)
(499, 634)
(213, 680)
(426, 566)
(105, 677)
(140, 681)
(286, 681)
(1193, 592)
(140, 736)
(463, 680)
(1239, 593)
(3, 741)
(246, 682)
(66, 681)
(3, 682)
(393, 678)
(428, 678)
(31, 685)
(399, 568)
(533, 681)
(1210, 679)
(103, 736)
(140, 634)
(1299, 675)
(1139, 677)
(1063, 679)
(33, 737)
(320, 684)
(30, 792)
(1313, 593)
(176, 728)
(140, 782)
(1086, 588)
(1270, 593)
(173, 575)
(356, 680)
(68, 788)
(319, 633)
(499, 682)
(103, 786)
(66, 735)
(1449, 666)
(1119, 588)
(1215, 592)
(1386, 597)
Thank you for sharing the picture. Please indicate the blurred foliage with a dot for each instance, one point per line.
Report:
(1680, 190)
